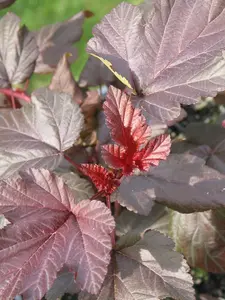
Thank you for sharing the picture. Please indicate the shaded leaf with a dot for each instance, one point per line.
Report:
(205, 134)
(18, 52)
(64, 283)
(183, 183)
(95, 73)
(201, 238)
(149, 269)
(80, 187)
(63, 80)
(57, 39)
(130, 227)
(37, 134)
(49, 232)
(91, 104)
(212, 135)
(6, 3)
(167, 56)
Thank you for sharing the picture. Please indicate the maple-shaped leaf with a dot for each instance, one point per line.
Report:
(63, 80)
(183, 182)
(129, 129)
(167, 56)
(37, 134)
(6, 3)
(57, 39)
(201, 238)
(18, 52)
(48, 232)
(95, 73)
(104, 180)
(149, 269)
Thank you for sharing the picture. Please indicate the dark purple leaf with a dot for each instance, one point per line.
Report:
(169, 56)
(182, 182)
(18, 52)
(64, 283)
(57, 39)
(95, 73)
(6, 3)
(37, 134)
(49, 232)
(212, 135)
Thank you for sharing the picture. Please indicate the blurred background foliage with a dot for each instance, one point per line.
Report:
(37, 13)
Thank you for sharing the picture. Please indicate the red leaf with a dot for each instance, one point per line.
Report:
(114, 155)
(129, 129)
(49, 230)
(103, 179)
(127, 125)
(157, 149)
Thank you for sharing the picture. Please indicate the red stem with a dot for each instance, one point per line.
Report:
(11, 93)
(71, 161)
(108, 202)
(13, 102)
(98, 194)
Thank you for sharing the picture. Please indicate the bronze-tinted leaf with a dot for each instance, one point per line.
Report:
(63, 80)
(201, 238)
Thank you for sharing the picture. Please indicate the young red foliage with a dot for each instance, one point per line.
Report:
(104, 180)
(129, 129)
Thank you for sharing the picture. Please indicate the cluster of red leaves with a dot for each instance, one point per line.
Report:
(133, 148)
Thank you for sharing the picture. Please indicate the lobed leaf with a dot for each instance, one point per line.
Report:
(49, 231)
(183, 183)
(167, 56)
(37, 134)
(18, 52)
(201, 238)
(149, 269)
(57, 39)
